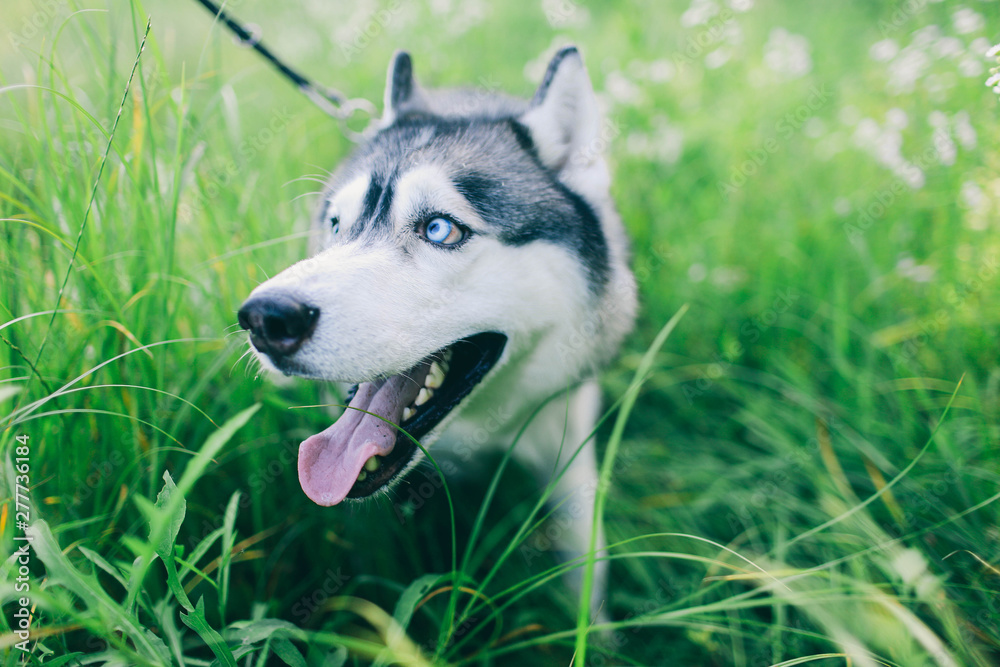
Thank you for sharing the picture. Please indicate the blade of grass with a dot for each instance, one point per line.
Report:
(604, 483)
(93, 194)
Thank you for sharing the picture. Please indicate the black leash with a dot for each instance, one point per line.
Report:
(331, 101)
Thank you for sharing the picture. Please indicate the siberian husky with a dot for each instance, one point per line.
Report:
(471, 265)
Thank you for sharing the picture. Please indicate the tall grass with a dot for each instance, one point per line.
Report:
(804, 472)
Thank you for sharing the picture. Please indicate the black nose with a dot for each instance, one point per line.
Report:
(279, 324)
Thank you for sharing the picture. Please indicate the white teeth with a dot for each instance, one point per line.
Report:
(372, 464)
(362, 475)
(435, 376)
(407, 413)
(424, 396)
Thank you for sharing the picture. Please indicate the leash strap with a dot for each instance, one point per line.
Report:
(331, 101)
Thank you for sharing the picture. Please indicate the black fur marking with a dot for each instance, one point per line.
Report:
(550, 74)
(523, 137)
(479, 190)
(493, 163)
(372, 198)
(385, 202)
(402, 80)
(570, 223)
(376, 206)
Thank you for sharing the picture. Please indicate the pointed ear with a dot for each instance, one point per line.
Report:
(402, 94)
(563, 118)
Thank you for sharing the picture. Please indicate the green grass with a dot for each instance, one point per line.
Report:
(808, 473)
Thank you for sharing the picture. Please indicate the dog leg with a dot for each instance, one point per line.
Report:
(575, 520)
(568, 530)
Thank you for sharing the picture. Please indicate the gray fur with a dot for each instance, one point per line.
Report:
(477, 138)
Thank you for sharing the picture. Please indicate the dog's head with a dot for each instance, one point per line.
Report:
(467, 235)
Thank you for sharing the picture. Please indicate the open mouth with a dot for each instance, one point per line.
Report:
(364, 450)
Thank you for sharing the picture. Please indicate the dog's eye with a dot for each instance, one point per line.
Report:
(441, 231)
(332, 218)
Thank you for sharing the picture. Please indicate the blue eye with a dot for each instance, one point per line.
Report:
(438, 230)
(442, 231)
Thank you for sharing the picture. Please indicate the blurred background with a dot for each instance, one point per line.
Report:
(817, 181)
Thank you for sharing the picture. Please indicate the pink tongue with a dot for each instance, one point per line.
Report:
(329, 462)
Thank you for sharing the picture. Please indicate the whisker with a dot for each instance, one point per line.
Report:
(306, 194)
(327, 172)
(235, 363)
(315, 179)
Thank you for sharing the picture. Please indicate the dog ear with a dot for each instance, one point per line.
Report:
(563, 118)
(402, 93)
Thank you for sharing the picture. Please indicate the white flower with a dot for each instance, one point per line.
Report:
(787, 53)
(926, 36)
(918, 273)
(938, 119)
(728, 277)
(907, 69)
(621, 89)
(665, 144)
(994, 51)
(913, 176)
(699, 13)
(946, 151)
(849, 115)
(814, 127)
(718, 58)
(970, 66)
(965, 21)
(866, 133)
(661, 70)
(897, 118)
(948, 47)
(884, 50)
(741, 5)
(972, 194)
(964, 132)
